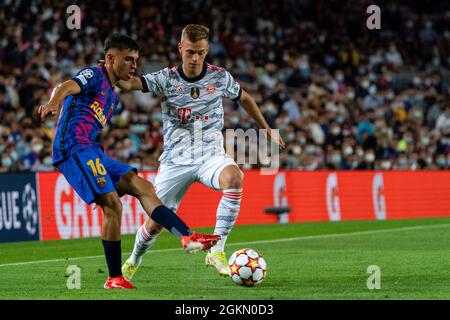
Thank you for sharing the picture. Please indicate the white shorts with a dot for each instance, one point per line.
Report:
(172, 181)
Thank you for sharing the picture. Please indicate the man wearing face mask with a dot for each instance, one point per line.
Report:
(2, 144)
(36, 146)
(4, 103)
(45, 163)
(443, 121)
(368, 162)
(334, 136)
(441, 162)
(402, 162)
(334, 160)
(6, 163)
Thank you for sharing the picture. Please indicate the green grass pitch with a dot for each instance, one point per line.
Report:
(327, 260)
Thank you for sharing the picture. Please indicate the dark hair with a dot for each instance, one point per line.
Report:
(195, 32)
(120, 42)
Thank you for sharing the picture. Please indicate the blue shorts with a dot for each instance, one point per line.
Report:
(91, 172)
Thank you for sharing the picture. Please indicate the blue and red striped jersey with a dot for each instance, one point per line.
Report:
(84, 115)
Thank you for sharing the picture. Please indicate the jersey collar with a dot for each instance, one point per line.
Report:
(103, 68)
(192, 79)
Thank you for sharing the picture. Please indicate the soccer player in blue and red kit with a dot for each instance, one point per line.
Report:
(85, 104)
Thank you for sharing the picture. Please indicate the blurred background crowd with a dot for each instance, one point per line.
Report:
(343, 97)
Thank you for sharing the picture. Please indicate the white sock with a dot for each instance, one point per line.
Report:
(227, 213)
(143, 242)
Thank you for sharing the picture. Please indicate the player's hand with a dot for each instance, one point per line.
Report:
(276, 138)
(46, 109)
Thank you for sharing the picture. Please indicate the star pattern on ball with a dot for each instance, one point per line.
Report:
(242, 251)
(234, 269)
(249, 282)
(253, 264)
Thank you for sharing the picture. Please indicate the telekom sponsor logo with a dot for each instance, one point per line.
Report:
(333, 205)
(184, 114)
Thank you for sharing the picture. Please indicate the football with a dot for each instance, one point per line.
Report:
(247, 267)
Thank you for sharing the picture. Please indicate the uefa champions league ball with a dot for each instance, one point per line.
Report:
(247, 267)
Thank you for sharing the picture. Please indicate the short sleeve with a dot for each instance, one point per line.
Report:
(155, 82)
(88, 79)
(232, 90)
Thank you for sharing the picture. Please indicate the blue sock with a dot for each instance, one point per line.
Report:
(113, 255)
(169, 220)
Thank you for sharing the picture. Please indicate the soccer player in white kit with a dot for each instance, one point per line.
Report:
(193, 119)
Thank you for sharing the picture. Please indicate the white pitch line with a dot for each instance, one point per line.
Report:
(323, 236)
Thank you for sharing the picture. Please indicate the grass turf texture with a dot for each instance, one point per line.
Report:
(327, 260)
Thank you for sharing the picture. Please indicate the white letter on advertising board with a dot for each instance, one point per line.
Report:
(333, 205)
(15, 210)
(64, 218)
(379, 200)
(80, 211)
(127, 215)
(95, 228)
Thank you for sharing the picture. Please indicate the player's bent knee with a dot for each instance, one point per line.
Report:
(140, 186)
(148, 187)
(117, 206)
(145, 188)
(110, 202)
(231, 182)
(230, 178)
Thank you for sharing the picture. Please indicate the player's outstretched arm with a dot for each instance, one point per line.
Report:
(249, 104)
(134, 83)
(67, 88)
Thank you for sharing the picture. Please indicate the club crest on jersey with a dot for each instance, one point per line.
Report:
(211, 88)
(180, 89)
(101, 181)
(195, 92)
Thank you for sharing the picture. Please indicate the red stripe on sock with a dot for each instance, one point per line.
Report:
(144, 233)
(233, 198)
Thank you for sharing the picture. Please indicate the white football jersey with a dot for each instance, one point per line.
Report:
(192, 111)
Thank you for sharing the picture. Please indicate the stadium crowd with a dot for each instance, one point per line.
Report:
(343, 96)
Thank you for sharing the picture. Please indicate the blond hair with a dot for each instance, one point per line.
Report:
(195, 32)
